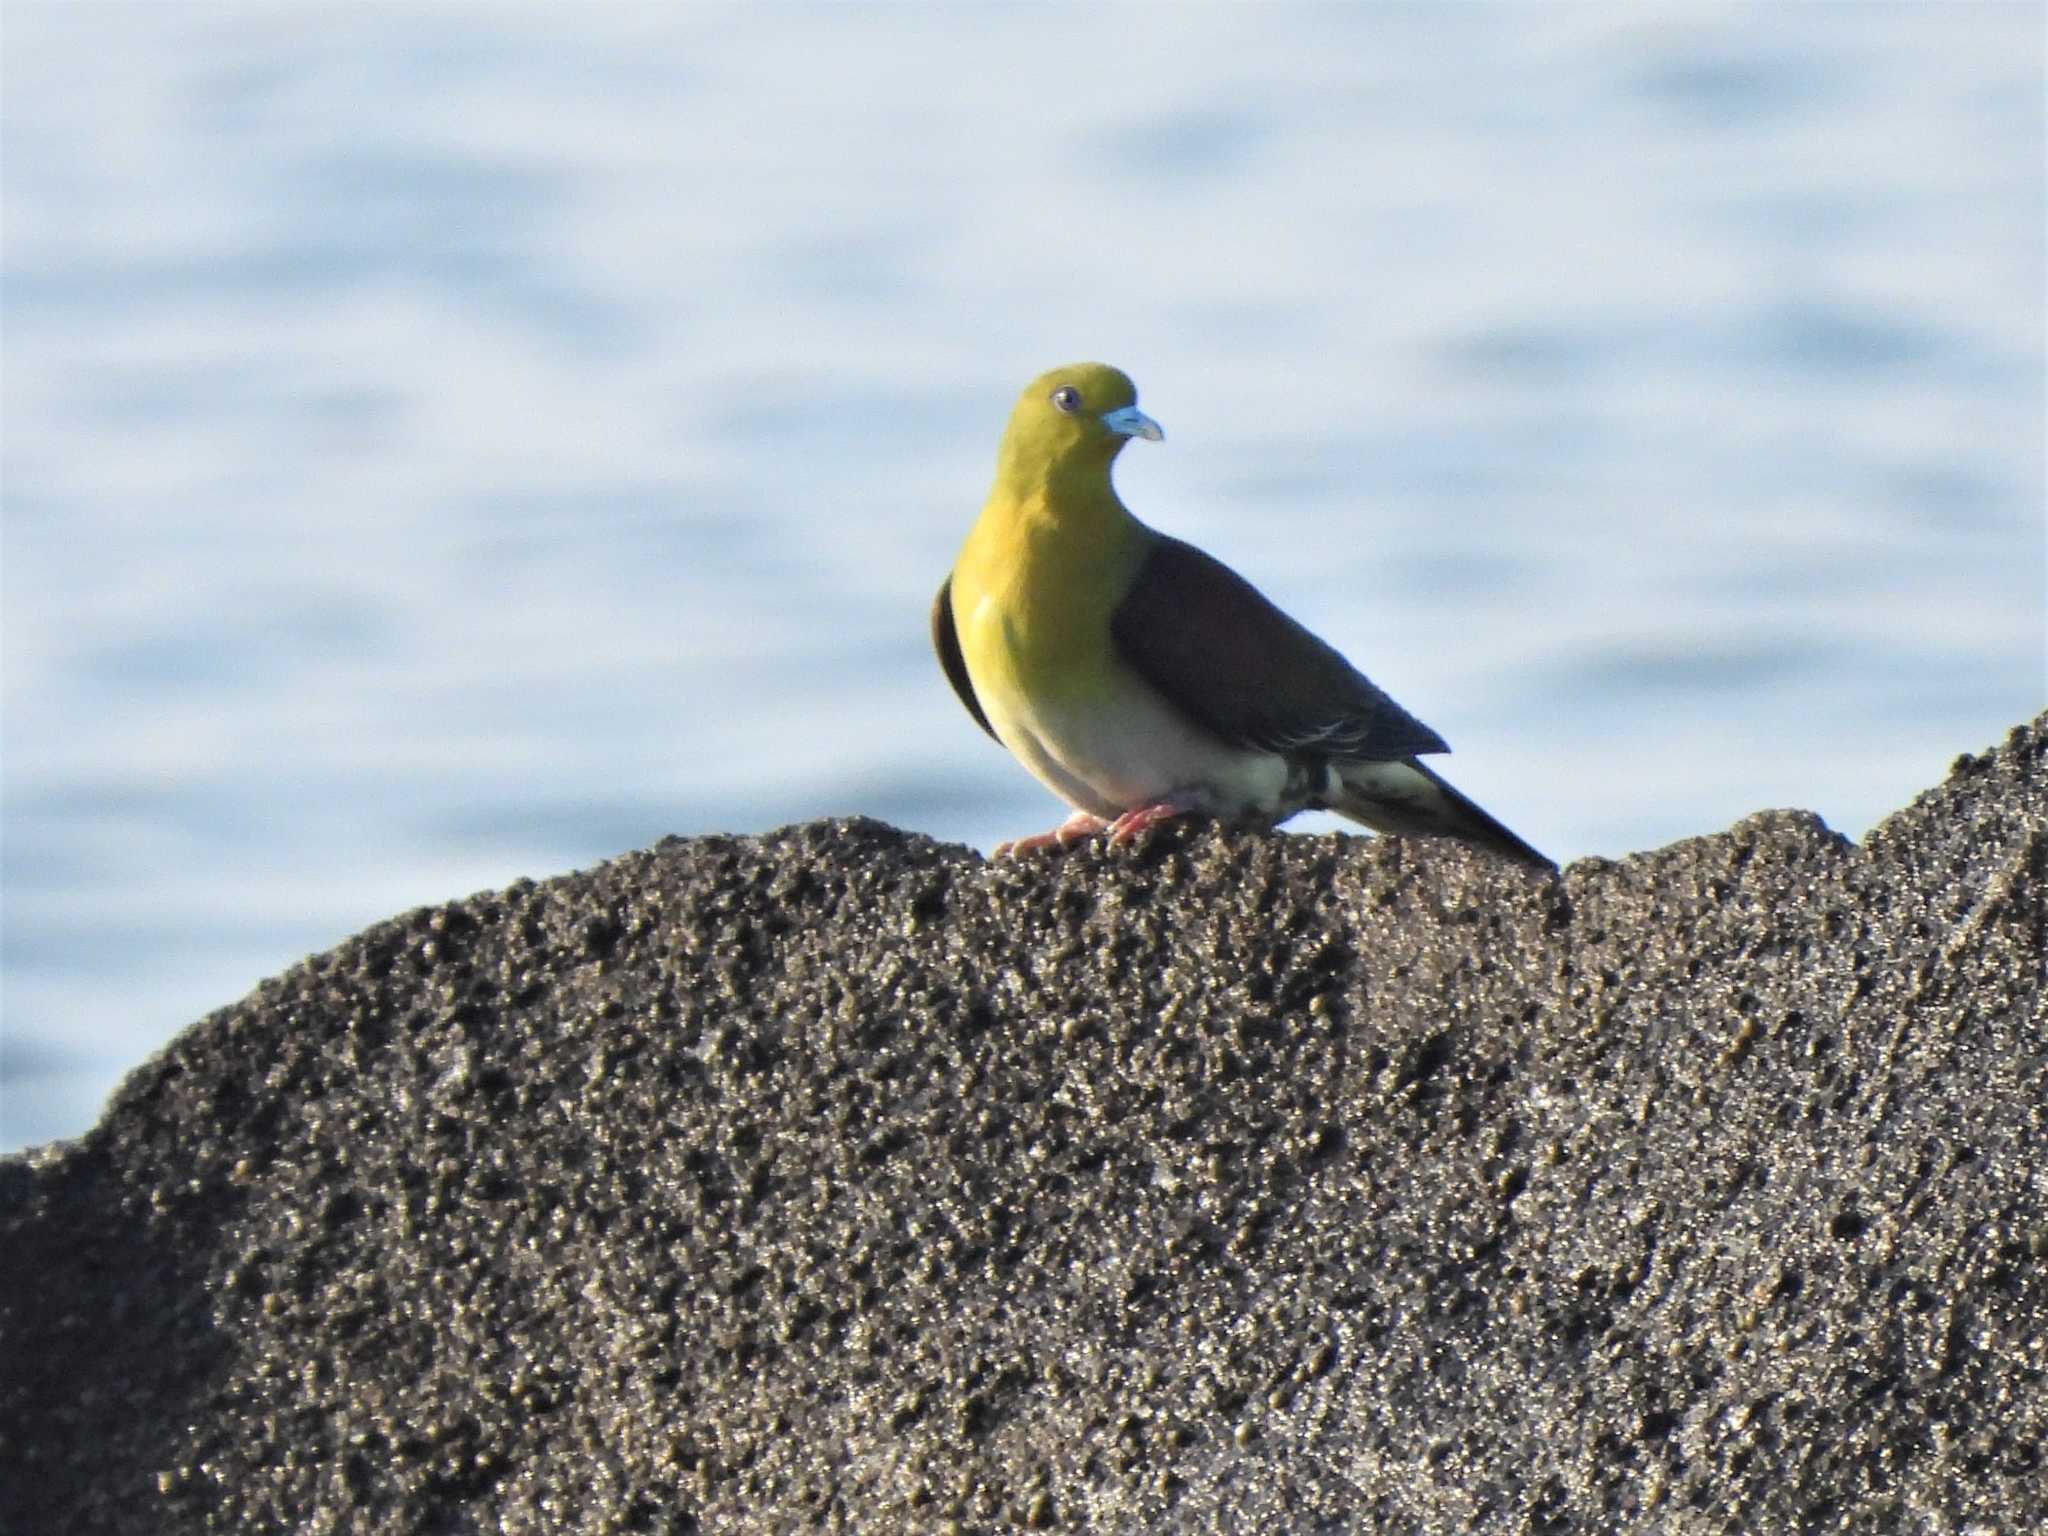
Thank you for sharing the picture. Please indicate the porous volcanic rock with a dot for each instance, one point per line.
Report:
(839, 1179)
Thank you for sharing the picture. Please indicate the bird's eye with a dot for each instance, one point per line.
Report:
(1067, 398)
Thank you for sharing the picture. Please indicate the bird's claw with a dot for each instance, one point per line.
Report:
(1067, 833)
(1123, 831)
(1132, 825)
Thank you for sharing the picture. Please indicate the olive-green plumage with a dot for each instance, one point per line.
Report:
(1139, 679)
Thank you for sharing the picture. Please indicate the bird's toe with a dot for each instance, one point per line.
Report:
(1127, 828)
(1067, 833)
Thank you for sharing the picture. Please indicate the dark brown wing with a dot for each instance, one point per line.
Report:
(1236, 665)
(947, 643)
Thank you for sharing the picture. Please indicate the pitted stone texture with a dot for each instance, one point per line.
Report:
(837, 1179)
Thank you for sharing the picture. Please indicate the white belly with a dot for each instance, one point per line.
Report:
(1115, 749)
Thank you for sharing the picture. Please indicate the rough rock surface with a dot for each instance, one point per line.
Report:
(840, 1179)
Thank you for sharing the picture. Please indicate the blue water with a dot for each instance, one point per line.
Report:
(449, 445)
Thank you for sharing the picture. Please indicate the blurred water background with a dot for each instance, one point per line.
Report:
(444, 445)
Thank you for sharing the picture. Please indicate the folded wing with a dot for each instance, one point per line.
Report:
(1223, 655)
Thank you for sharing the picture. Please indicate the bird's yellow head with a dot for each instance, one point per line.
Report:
(1073, 419)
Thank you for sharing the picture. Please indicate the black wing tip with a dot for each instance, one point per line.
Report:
(1519, 852)
(1483, 831)
(1448, 813)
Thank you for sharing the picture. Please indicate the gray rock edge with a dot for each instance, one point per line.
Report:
(837, 1179)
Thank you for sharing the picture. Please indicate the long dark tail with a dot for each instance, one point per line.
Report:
(1411, 799)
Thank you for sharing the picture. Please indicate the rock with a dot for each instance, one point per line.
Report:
(837, 1178)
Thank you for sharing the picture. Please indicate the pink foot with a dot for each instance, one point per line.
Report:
(1130, 826)
(1067, 833)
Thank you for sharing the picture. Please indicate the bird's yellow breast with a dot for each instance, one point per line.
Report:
(1032, 608)
(1033, 595)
